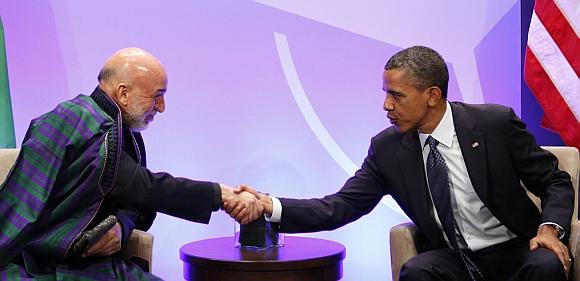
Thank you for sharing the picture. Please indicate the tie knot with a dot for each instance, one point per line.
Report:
(432, 142)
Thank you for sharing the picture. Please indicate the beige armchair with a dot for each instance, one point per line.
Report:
(404, 237)
(139, 248)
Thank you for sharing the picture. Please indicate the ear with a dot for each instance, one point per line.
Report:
(435, 95)
(122, 94)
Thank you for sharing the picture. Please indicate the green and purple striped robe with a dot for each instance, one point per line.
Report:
(67, 165)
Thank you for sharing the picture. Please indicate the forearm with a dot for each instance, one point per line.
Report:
(312, 215)
(160, 192)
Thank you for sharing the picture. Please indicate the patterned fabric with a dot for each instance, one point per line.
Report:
(110, 268)
(438, 177)
(66, 166)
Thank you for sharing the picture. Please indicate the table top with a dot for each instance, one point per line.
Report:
(297, 252)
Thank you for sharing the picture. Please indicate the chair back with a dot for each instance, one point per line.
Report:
(7, 158)
(568, 161)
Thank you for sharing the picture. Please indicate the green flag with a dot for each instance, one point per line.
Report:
(7, 139)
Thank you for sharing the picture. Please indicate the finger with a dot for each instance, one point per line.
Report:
(113, 248)
(237, 204)
(95, 248)
(249, 189)
(564, 257)
(534, 244)
(241, 216)
(239, 207)
(257, 211)
(568, 268)
(230, 205)
(238, 211)
(247, 218)
(559, 249)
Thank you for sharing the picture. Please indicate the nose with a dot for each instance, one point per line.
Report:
(388, 104)
(160, 104)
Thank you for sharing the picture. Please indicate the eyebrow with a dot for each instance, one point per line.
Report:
(392, 92)
(160, 92)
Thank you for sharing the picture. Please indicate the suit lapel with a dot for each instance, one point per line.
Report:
(410, 159)
(473, 147)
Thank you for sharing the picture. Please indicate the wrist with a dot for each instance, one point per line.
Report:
(549, 229)
(268, 205)
(227, 193)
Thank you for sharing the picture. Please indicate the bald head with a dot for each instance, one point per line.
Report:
(136, 81)
(127, 64)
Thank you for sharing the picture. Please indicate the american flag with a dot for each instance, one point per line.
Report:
(552, 65)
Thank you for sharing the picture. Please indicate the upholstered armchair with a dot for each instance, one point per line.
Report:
(405, 236)
(139, 248)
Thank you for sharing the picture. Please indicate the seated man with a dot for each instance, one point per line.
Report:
(455, 169)
(85, 160)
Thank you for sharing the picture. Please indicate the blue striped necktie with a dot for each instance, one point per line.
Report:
(438, 177)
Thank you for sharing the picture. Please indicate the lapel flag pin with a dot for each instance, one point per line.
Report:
(475, 144)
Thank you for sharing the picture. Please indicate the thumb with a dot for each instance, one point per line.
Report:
(238, 189)
(534, 245)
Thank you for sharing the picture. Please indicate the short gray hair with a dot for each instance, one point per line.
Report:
(423, 67)
(106, 74)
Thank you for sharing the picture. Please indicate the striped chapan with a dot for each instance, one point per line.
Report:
(67, 165)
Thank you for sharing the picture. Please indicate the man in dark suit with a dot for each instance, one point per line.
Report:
(455, 170)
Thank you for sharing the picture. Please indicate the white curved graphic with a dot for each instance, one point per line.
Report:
(312, 118)
(468, 21)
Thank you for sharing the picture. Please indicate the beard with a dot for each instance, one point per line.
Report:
(135, 118)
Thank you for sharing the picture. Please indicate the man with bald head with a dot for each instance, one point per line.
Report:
(84, 161)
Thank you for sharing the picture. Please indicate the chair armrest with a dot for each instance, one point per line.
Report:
(403, 241)
(139, 249)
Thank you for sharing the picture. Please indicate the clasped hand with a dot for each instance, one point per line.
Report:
(242, 203)
(107, 245)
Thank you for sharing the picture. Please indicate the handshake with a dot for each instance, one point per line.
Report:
(244, 204)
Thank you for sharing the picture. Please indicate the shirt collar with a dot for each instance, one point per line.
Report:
(444, 131)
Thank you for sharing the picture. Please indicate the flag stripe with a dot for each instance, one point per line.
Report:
(559, 114)
(571, 10)
(555, 64)
(561, 31)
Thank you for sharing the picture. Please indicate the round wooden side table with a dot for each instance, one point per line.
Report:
(301, 259)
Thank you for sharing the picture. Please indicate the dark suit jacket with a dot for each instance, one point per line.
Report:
(506, 152)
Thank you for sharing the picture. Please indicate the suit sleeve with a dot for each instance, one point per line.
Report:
(126, 219)
(538, 170)
(138, 187)
(359, 195)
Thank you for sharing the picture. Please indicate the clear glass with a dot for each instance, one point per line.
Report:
(257, 235)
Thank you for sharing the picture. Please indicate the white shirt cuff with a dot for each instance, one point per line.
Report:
(276, 211)
(561, 231)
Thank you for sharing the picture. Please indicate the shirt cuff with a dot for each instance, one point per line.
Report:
(561, 231)
(276, 211)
